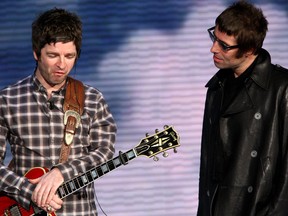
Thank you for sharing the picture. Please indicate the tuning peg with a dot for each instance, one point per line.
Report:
(165, 154)
(156, 130)
(166, 126)
(155, 158)
(147, 134)
(175, 150)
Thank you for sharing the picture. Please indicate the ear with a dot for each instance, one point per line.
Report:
(35, 56)
(250, 52)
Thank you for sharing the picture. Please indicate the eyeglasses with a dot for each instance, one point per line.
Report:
(223, 46)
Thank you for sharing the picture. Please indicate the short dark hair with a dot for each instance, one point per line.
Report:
(56, 25)
(247, 23)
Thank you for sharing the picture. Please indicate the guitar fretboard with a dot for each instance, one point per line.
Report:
(91, 175)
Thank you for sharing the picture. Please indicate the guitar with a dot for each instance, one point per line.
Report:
(150, 146)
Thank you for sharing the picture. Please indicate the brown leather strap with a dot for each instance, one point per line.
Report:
(73, 108)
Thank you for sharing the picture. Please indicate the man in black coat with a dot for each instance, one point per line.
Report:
(244, 153)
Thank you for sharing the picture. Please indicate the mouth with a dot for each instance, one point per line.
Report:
(217, 59)
(59, 73)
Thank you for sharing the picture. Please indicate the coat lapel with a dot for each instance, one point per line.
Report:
(242, 102)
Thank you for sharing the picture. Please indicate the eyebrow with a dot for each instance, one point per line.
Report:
(56, 53)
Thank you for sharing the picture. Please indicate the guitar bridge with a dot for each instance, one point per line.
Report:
(13, 210)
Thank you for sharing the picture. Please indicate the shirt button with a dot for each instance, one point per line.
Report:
(208, 193)
(257, 115)
(250, 189)
(254, 153)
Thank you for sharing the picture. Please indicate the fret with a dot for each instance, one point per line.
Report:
(130, 154)
(84, 179)
(104, 168)
(68, 187)
(94, 174)
(111, 165)
(89, 176)
(65, 189)
(77, 183)
(117, 162)
(123, 158)
(99, 171)
(72, 185)
(79, 179)
(61, 192)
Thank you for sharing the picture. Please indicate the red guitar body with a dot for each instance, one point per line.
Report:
(9, 207)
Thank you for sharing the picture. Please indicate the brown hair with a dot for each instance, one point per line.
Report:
(56, 25)
(247, 23)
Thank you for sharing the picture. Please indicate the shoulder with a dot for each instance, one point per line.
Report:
(91, 91)
(17, 87)
(94, 98)
(279, 74)
(280, 69)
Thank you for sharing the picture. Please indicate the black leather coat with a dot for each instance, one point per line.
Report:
(244, 155)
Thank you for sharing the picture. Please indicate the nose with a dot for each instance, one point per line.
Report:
(215, 47)
(61, 63)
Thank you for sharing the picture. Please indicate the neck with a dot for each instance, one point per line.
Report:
(50, 87)
(248, 60)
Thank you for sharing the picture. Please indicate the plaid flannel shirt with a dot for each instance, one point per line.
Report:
(34, 130)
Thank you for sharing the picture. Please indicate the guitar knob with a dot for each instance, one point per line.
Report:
(155, 158)
(165, 154)
(175, 150)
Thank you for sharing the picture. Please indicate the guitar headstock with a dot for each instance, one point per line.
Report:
(158, 142)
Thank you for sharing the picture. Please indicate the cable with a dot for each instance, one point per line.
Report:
(99, 204)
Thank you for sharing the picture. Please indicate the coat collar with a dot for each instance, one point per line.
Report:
(260, 73)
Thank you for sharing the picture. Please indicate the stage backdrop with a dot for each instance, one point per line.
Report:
(151, 60)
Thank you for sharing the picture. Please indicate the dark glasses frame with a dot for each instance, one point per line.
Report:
(223, 46)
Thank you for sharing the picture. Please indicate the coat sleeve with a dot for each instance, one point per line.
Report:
(279, 199)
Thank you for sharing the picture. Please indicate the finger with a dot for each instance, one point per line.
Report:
(49, 209)
(56, 175)
(46, 192)
(40, 194)
(36, 195)
(51, 194)
(55, 205)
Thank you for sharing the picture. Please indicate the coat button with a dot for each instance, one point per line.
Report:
(250, 189)
(254, 153)
(257, 115)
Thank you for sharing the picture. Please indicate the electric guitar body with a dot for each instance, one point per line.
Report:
(9, 207)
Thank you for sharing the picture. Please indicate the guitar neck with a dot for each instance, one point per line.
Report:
(91, 175)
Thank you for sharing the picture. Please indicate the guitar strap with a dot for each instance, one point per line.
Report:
(73, 108)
